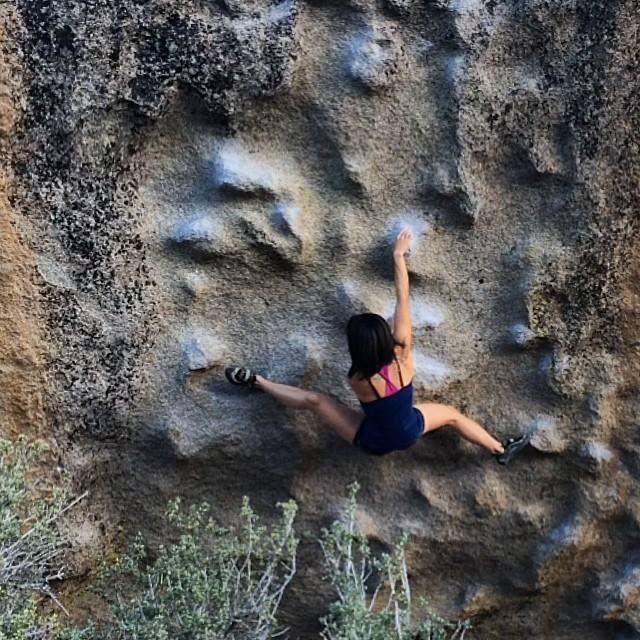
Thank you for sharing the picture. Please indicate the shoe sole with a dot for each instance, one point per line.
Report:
(228, 375)
(515, 451)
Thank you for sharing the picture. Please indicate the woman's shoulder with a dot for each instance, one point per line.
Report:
(361, 387)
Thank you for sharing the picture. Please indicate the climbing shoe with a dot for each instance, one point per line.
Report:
(240, 376)
(513, 447)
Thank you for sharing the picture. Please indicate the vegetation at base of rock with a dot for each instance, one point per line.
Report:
(385, 611)
(214, 582)
(31, 544)
(211, 583)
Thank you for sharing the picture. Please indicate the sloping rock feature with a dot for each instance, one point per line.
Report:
(189, 183)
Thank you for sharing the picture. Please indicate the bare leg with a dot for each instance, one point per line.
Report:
(342, 419)
(440, 415)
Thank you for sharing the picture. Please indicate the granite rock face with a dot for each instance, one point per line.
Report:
(189, 183)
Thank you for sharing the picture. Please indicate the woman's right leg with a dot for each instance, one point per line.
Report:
(342, 419)
(441, 415)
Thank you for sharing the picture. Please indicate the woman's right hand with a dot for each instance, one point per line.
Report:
(403, 242)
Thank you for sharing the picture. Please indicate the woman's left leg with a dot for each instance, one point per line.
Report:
(344, 420)
(440, 415)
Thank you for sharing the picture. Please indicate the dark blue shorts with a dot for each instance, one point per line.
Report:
(378, 440)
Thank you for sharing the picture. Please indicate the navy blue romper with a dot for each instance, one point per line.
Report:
(391, 422)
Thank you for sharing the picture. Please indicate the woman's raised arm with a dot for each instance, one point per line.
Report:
(402, 316)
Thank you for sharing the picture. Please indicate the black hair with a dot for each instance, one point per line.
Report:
(371, 344)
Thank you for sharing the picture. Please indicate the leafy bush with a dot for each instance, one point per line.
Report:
(31, 544)
(384, 611)
(214, 583)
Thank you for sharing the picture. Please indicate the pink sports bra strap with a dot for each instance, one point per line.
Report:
(390, 388)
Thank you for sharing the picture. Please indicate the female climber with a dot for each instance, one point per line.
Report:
(381, 376)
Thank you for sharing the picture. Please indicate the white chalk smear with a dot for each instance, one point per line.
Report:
(414, 221)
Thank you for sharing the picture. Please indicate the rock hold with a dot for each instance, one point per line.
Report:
(299, 355)
(442, 187)
(424, 314)
(522, 336)
(479, 599)
(192, 432)
(546, 436)
(412, 220)
(571, 535)
(240, 172)
(195, 284)
(595, 455)
(436, 499)
(253, 14)
(287, 217)
(455, 66)
(282, 232)
(358, 297)
(203, 350)
(375, 57)
(443, 178)
(403, 8)
(199, 235)
(250, 7)
(617, 596)
(491, 496)
(368, 524)
(422, 48)
(549, 152)
(358, 172)
(54, 273)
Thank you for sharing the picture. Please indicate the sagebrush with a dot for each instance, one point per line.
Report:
(209, 583)
(31, 543)
(213, 583)
(373, 593)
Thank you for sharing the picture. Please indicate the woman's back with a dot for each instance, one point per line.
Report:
(391, 422)
(369, 389)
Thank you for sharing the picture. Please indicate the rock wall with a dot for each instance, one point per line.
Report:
(22, 350)
(193, 183)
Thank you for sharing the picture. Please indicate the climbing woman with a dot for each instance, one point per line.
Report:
(381, 376)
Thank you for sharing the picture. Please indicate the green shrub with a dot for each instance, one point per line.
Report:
(31, 543)
(213, 583)
(378, 612)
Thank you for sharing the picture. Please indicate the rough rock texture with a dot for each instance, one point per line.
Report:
(22, 350)
(193, 181)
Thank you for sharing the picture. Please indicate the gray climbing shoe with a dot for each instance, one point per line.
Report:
(240, 376)
(512, 448)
